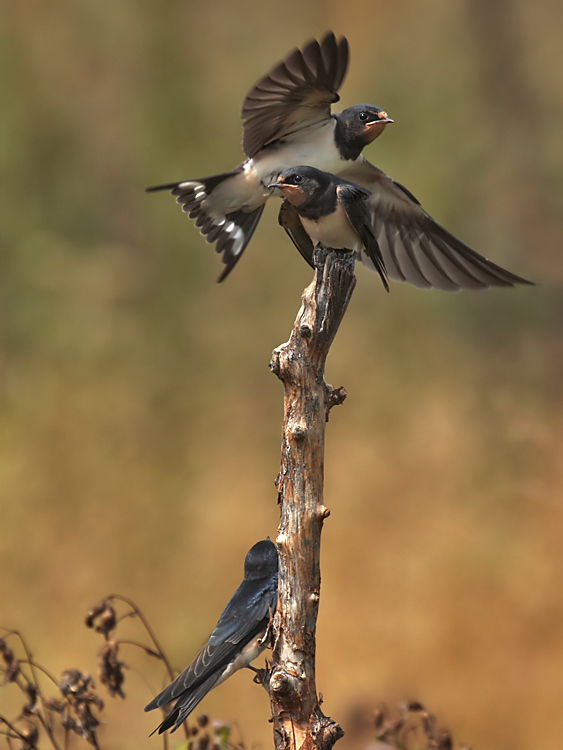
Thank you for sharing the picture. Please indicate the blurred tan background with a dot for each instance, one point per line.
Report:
(139, 427)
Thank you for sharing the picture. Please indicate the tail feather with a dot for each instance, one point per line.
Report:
(230, 233)
(186, 704)
(231, 252)
(155, 188)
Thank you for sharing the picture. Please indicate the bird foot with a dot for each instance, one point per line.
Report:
(260, 675)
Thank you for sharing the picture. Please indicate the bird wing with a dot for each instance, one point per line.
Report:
(289, 220)
(354, 202)
(243, 618)
(295, 94)
(416, 248)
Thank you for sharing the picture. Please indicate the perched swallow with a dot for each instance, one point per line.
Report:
(320, 208)
(238, 637)
(411, 246)
(287, 121)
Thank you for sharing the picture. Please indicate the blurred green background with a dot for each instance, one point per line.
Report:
(140, 426)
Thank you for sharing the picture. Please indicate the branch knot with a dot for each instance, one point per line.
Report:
(285, 687)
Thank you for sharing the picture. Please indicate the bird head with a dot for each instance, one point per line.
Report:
(358, 126)
(261, 560)
(300, 183)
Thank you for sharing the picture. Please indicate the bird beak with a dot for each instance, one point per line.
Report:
(373, 130)
(383, 119)
(283, 186)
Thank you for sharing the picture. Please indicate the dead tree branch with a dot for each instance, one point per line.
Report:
(299, 723)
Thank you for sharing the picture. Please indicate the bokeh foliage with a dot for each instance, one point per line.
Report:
(139, 426)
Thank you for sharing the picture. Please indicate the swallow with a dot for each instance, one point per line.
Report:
(287, 121)
(411, 246)
(238, 638)
(320, 208)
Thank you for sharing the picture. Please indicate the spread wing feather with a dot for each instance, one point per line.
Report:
(416, 248)
(295, 94)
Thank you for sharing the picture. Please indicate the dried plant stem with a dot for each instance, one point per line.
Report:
(43, 716)
(15, 733)
(152, 635)
(298, 720)
(158, 648)
(41, 669)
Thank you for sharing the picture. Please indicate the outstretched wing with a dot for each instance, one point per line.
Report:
(416, 248)
(295, 94)
(354, 202)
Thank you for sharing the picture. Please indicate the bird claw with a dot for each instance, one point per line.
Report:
(260, 676)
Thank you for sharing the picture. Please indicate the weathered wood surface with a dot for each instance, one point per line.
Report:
(300, 363)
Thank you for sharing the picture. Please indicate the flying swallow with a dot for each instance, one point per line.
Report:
(320, 208)
(238, 638)
(287, 121)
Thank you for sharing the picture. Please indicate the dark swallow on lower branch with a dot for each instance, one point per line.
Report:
(238, 638)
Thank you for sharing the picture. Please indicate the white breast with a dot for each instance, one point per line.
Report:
(314, 147)
(333, 231)
(251, 651)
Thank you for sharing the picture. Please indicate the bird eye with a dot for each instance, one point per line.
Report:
(297, 178)
(364, 116)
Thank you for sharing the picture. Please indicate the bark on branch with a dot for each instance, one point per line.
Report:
(297, 717)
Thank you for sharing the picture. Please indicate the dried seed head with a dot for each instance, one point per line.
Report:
(378, 718)
(30, 707)
(29, 734)
(12, 664)
(101, 617)
(12, 671)
(74, 685)
(203, 720)
(111, 669)
(71, 681)
(445, 740)
(69, 722)
(88, 722)
(91, 698)
(53, 704)
(428, 723)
